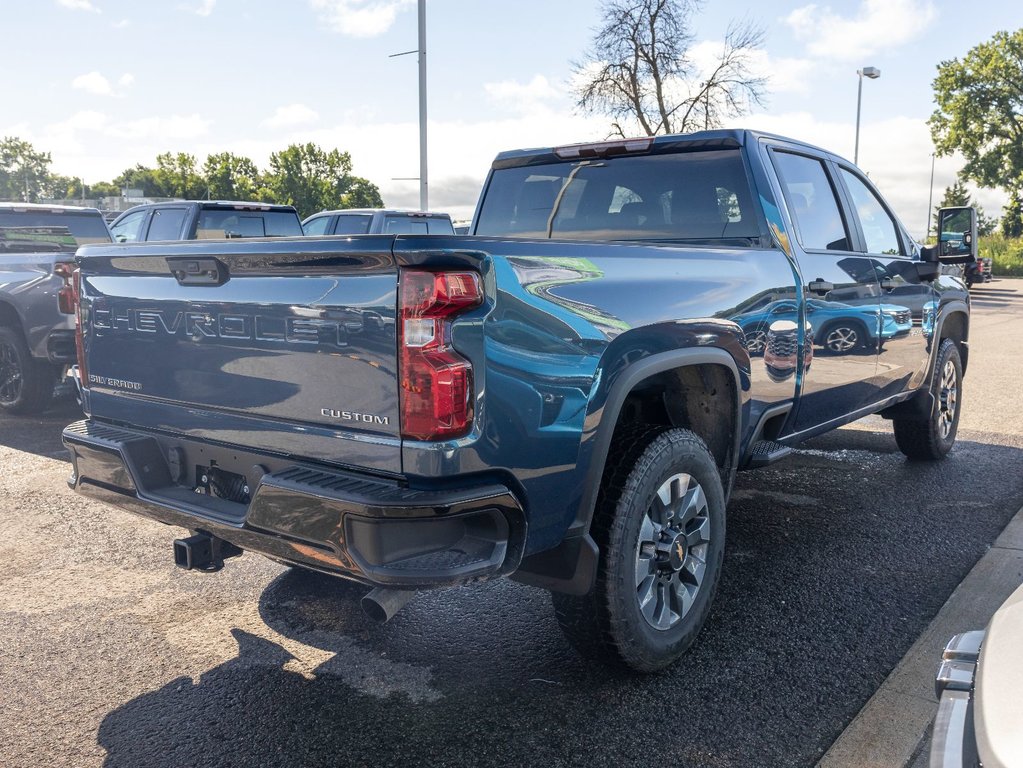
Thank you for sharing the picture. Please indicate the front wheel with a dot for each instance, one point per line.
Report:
(932, 438)
(660, 528)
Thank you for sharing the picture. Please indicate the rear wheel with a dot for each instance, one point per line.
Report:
(26, 384)
(660, 528)
(932, 438)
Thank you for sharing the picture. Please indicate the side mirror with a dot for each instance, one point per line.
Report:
(957, 235)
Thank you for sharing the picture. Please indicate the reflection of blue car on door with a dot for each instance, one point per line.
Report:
(838, 328)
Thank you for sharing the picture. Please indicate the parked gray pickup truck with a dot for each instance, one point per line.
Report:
(37, 339)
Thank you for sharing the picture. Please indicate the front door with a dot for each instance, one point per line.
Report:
(842, 311)
(905, 298)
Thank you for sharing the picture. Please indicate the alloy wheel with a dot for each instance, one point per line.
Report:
(948, 398)
(10, 373)
(672, 551)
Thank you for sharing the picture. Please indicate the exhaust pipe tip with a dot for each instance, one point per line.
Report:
(382, 604)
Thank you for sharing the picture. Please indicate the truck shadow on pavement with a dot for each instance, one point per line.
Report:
(40, 434)
(830, 575)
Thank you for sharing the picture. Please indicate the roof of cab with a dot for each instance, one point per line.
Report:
(722, 137)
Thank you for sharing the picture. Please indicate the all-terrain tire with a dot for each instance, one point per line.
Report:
(609, 624)
(26, 384)
(932, 438)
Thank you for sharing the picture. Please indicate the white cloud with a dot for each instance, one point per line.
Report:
(166, 128)
(205, 8)
(878, 25)
(78, 5)
(126, 80)
(94, 83)
(122, 24)
(537, 94)
(360, 18)
(291, 115)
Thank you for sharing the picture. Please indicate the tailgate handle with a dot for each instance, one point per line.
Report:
(201, 271)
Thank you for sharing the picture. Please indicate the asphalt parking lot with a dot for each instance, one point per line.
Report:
(836, 561)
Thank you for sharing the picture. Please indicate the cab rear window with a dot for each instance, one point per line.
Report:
(703, 196)
(64, 230)
(216, 224)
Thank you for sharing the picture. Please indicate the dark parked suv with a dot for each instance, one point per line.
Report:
(204, 220)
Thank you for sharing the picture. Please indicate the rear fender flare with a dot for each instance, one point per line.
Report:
(610, 410)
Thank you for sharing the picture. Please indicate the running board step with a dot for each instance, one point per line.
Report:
(766, 452)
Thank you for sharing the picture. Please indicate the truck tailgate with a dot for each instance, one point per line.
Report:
(242, 343)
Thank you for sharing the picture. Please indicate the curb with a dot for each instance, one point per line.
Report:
(888, 730)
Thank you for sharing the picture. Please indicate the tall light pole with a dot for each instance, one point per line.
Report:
(873, 73)
(424, 194)
(930, 199)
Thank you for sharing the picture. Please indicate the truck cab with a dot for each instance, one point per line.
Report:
(204, 220)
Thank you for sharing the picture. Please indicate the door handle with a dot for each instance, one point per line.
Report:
(820, 286)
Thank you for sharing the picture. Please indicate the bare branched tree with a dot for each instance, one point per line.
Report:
(642, 73)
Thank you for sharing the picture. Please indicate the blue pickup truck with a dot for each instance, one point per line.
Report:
(563, 396)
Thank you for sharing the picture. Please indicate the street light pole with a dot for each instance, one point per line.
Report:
(930, 199)
(424, 194)
(873, 73)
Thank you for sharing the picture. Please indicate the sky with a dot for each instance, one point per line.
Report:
(105, 84)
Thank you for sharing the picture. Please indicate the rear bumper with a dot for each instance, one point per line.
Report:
(370, 529)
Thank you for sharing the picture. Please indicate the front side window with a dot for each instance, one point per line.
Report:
(879, 229)
(679, 196)
(128, 229)
(811, 200)
(167, 224)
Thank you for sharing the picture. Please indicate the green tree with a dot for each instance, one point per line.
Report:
(980, 111)
(231, 177)
(641, 72)
(313, 179)
(959, 195)
(361, 194)
(177, 176)
(140, 177)
(1012, 216)
(104, 189)
(24, 172)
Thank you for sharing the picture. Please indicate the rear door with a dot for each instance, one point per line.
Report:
(839, 288)
(291, 351)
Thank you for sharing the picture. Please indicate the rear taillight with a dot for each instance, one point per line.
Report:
(436, 382)
(76, 297)
(65, 296)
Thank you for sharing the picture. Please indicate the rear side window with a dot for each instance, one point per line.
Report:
(166, 224)
(352, 224)
(405, 225)
(811, 199)
(702, 196)
(216, 224)
(317, 226)
(65, 230)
